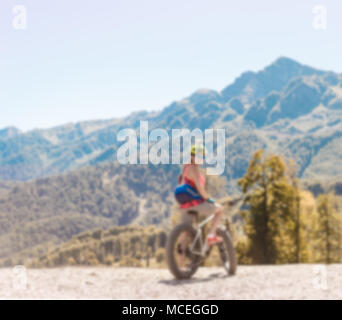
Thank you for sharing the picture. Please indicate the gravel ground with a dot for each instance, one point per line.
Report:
(250, 282)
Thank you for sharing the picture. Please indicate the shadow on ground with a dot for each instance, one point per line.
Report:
(176, 282)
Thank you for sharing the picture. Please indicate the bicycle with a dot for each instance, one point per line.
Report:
(187, 242)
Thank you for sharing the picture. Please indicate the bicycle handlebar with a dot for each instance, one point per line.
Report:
(233, 202)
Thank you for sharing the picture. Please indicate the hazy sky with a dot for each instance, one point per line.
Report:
(81, 59)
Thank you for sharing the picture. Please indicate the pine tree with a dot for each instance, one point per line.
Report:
(292, 171)
(303, 218)
(307, 224)
(328, 233)
(272, 202)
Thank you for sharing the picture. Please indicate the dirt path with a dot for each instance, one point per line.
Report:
(251, 282)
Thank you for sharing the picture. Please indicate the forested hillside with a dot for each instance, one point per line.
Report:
(48, 211)
(130, 246)
(279, 223)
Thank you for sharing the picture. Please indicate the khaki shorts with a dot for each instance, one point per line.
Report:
(204, 209)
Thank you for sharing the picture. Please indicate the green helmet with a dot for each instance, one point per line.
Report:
(195, 150)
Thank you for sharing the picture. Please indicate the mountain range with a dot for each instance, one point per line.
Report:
(287, 108)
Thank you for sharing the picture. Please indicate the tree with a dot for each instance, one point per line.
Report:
(307, 222)
(292, 171)
(328, 233)
(271, 201)
(160, 255)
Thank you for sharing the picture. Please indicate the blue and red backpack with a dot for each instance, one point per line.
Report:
(185, 193)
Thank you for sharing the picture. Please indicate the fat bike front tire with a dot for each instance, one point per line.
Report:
(172, 252)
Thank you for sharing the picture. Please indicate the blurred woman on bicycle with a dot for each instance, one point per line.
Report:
(192, 176)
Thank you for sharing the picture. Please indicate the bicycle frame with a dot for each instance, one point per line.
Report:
(199, 236)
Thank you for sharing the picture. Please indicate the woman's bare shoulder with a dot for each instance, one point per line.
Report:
(193, 169)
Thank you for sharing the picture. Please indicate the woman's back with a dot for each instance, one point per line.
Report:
(189, 173)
